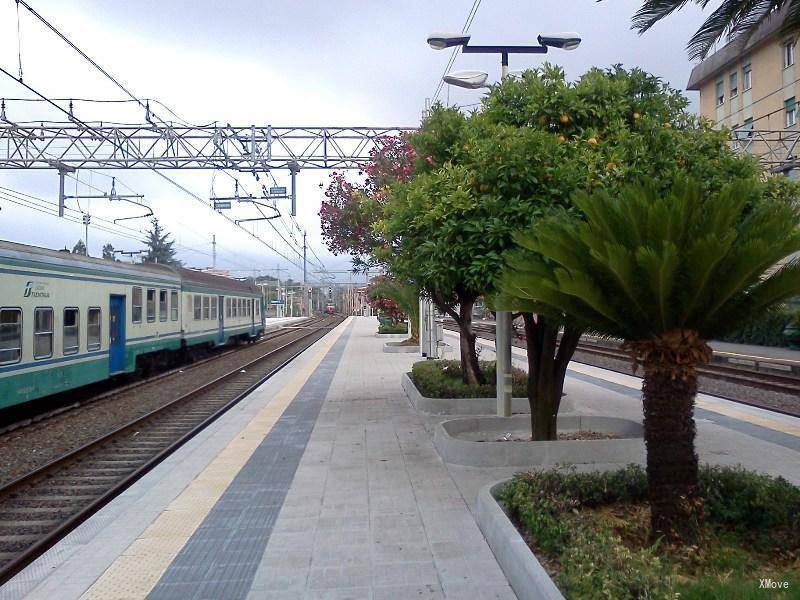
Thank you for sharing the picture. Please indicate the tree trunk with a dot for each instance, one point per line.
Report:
(547, 367)
(669, 430)
(469, 356)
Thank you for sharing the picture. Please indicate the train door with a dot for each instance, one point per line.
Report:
(116, 329)
(252, 306)
(221, 317)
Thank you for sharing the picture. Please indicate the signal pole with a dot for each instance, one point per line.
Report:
(305, 291)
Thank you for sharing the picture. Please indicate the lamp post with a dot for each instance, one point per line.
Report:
(475, 80)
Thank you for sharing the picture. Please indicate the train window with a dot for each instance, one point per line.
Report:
(258, 307)
(93, 320)
(151, 305)
(213, 308)
(240, 301)
(163, 308)
(227, 307)
(10, 335)
(250, 307)
(174, 305)
(43, 333)
(198, 309)
(71, 334)
(206, 308)
(136, 313)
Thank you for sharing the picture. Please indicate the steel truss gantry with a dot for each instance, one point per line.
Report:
(251, 148)
(776, 150)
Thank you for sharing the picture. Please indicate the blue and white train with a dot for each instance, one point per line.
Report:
(68, 320)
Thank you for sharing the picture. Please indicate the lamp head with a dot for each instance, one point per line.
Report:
(472, 80)
(568, 40)
(440, 41)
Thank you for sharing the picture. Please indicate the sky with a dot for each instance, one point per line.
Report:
(284, 63)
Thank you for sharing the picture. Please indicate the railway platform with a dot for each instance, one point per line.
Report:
(324, 483)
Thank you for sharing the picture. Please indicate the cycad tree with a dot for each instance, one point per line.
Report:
(665, 273)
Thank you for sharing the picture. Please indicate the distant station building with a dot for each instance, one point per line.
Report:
(751, 87)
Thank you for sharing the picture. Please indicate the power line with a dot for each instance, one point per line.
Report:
(467, 24)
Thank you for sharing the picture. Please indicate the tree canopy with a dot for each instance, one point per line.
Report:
(159, 247)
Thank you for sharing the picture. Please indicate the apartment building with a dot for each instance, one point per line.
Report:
(751, 85)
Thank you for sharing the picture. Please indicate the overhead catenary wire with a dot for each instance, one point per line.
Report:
(465, 29)
(145, 105)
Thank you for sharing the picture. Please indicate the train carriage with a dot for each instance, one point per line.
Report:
(68, 320)
(218, 310)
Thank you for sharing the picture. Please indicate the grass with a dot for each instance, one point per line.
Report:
(443, 379)
(590, 532)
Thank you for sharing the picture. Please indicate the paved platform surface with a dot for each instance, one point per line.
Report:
(323, 484)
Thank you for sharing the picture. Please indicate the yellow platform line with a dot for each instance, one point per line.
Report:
(136, 571)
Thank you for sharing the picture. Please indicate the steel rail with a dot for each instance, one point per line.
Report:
(47, 471)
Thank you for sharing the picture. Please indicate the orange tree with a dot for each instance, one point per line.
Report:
(536, 141)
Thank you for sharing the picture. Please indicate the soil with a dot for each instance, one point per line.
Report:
(585, 434)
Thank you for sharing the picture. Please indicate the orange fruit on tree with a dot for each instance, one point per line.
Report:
(564, 119)
(592, 141)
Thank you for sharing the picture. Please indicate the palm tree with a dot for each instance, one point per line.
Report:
(665, 274)
(731, 17)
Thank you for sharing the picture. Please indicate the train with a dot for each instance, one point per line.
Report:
(68, 320)
(330, 308)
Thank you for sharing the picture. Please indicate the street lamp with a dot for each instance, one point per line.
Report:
(474, 80)
(563, 41)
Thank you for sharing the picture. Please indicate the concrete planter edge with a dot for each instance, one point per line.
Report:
(395, 348)
(522, 569)
(466, 452)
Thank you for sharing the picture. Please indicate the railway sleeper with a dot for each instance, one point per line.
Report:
(17, 543)
(84, 480)
(43, 512)
(53, 500)
(27, 527)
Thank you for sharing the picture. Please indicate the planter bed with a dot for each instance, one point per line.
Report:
(458, 406)
(524, 572)
(392, 336)
(589, 533)
(471, 442)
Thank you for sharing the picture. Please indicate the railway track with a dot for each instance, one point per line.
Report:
(38, 509)
(779, 383)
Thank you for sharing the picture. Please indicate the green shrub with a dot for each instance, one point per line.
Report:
(387, 329)
(765, 330)
(443, 379)
(577, 522)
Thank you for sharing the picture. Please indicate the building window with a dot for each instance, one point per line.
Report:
(136, 313)
(10, 335)
(71, 323)
(206, 308)
(198, 307)
(151, 305)
(174, 305)
(791, 112)
(93, 328)
(720, 93)
(163, 308)
(213, 308)
(733, 85)
(747, 73)
(788, 53)
(43, 333)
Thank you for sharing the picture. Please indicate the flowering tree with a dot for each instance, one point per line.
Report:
(351, 208)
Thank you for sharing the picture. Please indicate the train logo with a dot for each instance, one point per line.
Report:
(36, 289)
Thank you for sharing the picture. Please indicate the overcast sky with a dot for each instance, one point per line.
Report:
(296, 62)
